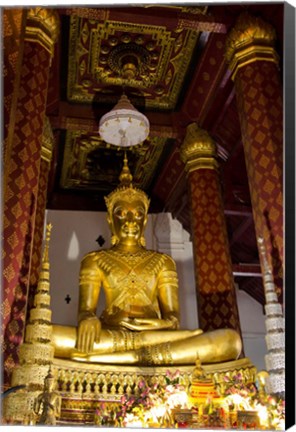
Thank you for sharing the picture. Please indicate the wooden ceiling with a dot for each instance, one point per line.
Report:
(181, 77)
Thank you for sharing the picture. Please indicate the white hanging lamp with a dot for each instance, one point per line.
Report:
(124, 125)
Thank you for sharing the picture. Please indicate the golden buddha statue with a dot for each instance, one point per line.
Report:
(140, 323)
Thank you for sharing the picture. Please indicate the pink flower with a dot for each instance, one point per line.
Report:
(123, 399)
(142, 384)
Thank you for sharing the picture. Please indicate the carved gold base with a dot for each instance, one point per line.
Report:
(83, 386)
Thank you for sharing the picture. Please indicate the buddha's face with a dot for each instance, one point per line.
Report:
(129, 220)
(49, 384)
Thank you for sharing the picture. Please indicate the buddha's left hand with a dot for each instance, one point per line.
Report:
(140, 324)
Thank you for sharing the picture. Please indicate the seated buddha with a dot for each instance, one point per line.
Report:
(140, 322)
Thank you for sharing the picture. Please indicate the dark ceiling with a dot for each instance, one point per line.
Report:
(181, 77)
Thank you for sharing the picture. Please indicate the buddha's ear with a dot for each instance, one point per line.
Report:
(142, 240)
(145, 221)
(110, 223)
(109, 220)
(114, 240)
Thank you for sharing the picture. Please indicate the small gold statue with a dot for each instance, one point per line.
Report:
(140, 324)
(198, 373)
(202, 388)
(47, 405)
(262, 378)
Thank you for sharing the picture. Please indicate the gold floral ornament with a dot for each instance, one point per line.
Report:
(250, 40)
(47, 141)
(198, 149)
(43, 27)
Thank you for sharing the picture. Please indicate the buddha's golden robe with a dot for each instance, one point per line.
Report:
(137, 285)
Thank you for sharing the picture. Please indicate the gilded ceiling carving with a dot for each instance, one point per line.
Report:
(89, 162)
(150, 60)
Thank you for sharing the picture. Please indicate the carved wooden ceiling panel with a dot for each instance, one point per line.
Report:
(90, 163)
(151, 60)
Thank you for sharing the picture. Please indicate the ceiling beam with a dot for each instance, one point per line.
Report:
(247, 270)
(92, 126)
(206, 79)
(86, 118)
(237, 210)
(172, 17)
(236, 236)
(94, 113)
(226, 105)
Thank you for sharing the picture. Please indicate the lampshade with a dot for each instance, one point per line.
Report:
(124, 125)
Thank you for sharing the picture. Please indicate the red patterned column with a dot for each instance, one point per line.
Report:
(254, 63)
(46, 154)
(13, 32)
(217, 305)
(22, 178)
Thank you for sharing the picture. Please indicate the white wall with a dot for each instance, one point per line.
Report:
(169, 237)
(74, 234)
(252, 322)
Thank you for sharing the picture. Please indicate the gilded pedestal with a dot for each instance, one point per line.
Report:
(84, 386)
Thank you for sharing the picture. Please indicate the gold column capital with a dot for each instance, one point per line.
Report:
(43, 26)
(250, 40)
(47, 141)
(198, 150)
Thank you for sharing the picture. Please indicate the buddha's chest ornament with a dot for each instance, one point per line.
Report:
(139, 265)
(135, 275)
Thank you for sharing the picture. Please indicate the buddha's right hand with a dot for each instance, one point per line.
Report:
(89, 330)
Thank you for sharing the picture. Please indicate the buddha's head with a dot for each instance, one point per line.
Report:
(127, 208)
(49, 382)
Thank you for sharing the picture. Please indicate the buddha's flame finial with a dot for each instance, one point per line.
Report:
(125, 176)
(126, 190)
